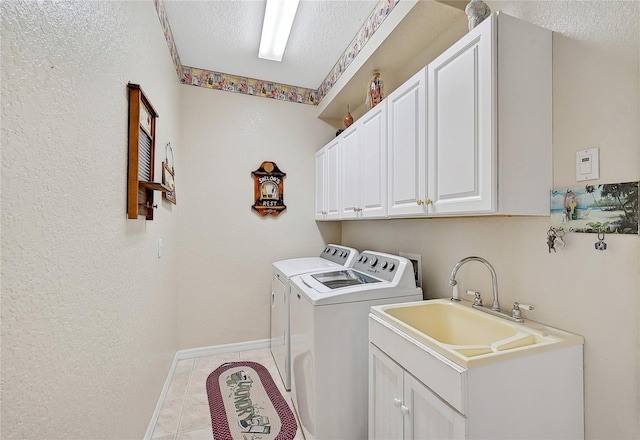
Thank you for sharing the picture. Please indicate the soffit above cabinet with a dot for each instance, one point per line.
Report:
(413, 35)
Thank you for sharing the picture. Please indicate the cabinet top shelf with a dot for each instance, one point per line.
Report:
(414, 34)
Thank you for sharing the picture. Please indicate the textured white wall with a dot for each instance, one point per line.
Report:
(595, 294)
(88, 310)
(226, 248)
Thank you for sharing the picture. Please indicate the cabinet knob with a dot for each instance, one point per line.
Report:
(419, 202)
(424, 202)
(428, 202)
(404, 410)
(397, 402)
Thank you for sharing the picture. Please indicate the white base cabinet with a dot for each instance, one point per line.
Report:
(401, 407)
(417, 393)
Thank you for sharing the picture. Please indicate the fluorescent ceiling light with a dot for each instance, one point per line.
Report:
(278, 19)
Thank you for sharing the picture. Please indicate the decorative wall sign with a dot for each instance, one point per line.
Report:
(610, 208)
(268, 189)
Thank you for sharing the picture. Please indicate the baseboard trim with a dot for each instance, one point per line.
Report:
(191, 353)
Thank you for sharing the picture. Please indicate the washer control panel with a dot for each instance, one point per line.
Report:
(382, 266)
(339, 254)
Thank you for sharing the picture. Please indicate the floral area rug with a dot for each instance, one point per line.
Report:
(246, 404)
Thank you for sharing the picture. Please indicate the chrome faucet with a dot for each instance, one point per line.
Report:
(494, 280)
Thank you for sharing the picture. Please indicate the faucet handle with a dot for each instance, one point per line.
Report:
(516, 313)
(477, 300)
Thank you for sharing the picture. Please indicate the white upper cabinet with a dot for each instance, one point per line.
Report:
(470, 134)
(321, 184)
(373, 139)
(489, 124)
(351, 172)
(364, 166)
(407, 190)
(327, 183)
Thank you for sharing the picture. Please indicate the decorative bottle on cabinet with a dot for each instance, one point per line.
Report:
(348, 119)
(375, 93)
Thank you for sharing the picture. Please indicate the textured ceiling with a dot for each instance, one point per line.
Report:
(224, 35)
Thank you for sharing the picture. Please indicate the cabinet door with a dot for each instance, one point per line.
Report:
(407, 148)
(373, 142)
(351, 172)
(385, 396)
(461, 125)
(321, 184)
(332, 183)
(429, 418)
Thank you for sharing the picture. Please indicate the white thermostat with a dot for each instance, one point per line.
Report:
(588, 164)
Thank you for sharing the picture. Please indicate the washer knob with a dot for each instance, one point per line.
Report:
(384, 264)
(391, 267)
(374, 261)
(364, 258)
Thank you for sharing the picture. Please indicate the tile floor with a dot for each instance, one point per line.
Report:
(185, 412)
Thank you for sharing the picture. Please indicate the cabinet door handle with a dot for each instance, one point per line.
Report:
(397, 402)
(404, 410)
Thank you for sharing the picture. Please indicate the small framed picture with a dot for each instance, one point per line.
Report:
(169, 182)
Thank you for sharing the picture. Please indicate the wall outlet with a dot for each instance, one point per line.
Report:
(416, 260)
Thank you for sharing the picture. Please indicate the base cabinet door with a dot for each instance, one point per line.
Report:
(428, 417)
(385, 396)
(401, 407)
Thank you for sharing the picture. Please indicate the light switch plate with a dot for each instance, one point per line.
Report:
(588, 164)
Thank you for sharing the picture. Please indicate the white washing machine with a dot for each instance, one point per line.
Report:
(332, 256)
(329, 340)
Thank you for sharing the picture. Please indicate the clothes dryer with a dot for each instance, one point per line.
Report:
(333, 256)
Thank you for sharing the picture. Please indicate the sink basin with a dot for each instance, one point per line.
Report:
(452, 325)
(466, 335)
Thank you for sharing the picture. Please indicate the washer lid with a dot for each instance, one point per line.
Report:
(297, 266)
